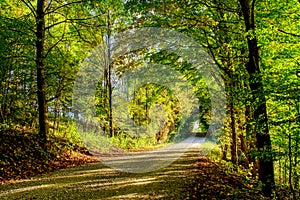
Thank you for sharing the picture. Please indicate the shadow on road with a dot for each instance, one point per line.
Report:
(97, 181)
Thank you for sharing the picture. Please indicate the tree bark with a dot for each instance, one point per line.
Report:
(41, 85)
(111, 130)
(266, 169)
(234, 149)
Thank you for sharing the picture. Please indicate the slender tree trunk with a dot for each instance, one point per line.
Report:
(245, 151)
(104, 97)
(280, 166)
(230, 111)
(296, 174)
(56, 116)
(244, 148)
(285, 172)
(252, 140)
(297, 134)
(146, 106)
(234, 151)
(111, 130)
(291, 164)
(41, 85)
(224, 152)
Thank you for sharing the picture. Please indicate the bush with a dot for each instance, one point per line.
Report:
(211, 150)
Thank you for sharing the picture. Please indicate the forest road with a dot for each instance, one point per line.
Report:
(147, 161)
(159, 174)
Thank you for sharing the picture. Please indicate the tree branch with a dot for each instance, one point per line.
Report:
(70, 20)
(30, 6)
(59, 7)
(56, 43)
(79, 34)
(49, 5)
(292, 34)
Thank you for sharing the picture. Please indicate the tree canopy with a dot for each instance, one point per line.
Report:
(46, 45)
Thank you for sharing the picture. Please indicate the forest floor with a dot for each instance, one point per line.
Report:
(190, 177)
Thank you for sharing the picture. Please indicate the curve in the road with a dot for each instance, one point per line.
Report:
(148, 161)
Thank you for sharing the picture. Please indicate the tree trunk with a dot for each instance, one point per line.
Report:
(230, 85)
(245, 151)
(224, 152)
(41, 85)
(252, 140)
(291, 164)
(111, 130)
(234, 151)
(266, 170)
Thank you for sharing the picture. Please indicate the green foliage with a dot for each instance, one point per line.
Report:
(95, 142)
(211, 150)
(68, 130)
(74, 28)
(125, 142)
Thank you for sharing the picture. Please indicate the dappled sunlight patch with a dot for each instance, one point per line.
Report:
(73, 177)
(102, 172)
(91, 182)
(27, 189)
(180, 165)
(174, 172)
(121, 183)
(137, 196)
(148, 161)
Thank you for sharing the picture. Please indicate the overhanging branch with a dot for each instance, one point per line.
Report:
(292, 34)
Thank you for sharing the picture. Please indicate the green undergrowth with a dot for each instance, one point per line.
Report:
(214, 153)
(127, 143)
(121, 142)
(243, 183)
(211, 150)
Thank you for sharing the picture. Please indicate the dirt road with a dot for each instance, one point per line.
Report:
(98, 181)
